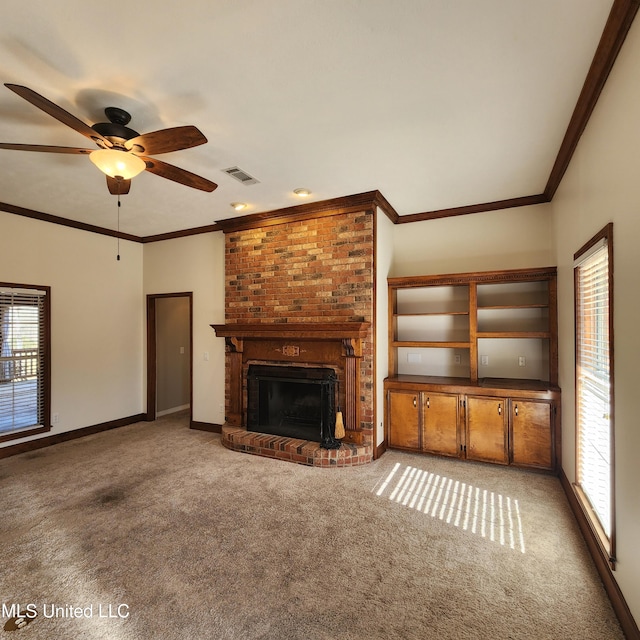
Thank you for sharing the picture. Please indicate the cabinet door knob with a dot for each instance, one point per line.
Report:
(427, 403)
(415, 401)
(499, 409)
(516, 409)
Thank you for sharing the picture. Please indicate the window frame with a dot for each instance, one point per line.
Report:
(46, 366)
(606, 543)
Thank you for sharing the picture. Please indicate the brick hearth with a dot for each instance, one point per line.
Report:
(294, 450)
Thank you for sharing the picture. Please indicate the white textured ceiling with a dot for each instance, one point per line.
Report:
(435, 103)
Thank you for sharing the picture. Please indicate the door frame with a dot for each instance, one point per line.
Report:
(152, 360)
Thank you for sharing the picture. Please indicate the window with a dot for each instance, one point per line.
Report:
(24, 360)
(593, 277)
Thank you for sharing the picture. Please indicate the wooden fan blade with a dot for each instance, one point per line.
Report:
(44, 148)
(166, 140)
(176, 174)
(118, 187)
(58, 113)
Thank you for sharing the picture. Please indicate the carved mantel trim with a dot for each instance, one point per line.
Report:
(317, 342)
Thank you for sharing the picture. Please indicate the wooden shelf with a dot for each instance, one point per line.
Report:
(432, 313)
(513, 334)
(432, 344)
(513, 306)
(467, 385)
(479, 277)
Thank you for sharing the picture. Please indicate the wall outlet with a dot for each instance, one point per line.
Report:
(205, 356)
(484, 360)
(55, 418)
(457, 359)
(522, 361)
(181, 351)
(414, 358)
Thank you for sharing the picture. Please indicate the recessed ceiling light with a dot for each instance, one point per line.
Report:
(302, 192)
(239, 206)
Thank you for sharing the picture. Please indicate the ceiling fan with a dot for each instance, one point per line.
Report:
(123, 153)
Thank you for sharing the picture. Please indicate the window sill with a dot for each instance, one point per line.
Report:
(603, 541)
(24, 433)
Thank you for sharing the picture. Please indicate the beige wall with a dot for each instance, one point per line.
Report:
(508, 239)
(97, 316)
(603, 185)
(195, 264)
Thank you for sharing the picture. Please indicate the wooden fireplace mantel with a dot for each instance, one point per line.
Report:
(300, 331)
(326, 343)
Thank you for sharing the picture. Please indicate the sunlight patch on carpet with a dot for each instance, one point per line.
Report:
(479, 511)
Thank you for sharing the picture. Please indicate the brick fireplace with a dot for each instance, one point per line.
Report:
(299, 289)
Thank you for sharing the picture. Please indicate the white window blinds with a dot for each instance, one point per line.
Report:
(593, 383)
(22, 358)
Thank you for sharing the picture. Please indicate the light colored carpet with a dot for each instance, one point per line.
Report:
(201, 542)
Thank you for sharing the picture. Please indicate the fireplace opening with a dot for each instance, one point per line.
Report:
(295, 402)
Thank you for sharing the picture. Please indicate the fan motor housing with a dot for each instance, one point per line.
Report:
(116, 127)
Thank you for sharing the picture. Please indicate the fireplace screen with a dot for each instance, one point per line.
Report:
(296, 402)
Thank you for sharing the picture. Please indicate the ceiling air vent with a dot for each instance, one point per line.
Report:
(240, 175)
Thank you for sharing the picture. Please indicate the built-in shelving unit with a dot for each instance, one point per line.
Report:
(473, 366)
(474, 325)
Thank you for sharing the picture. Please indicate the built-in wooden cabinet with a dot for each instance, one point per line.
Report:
(424, 421)
(440, 423)
(530, 432)
(473, 366)
(487, 430)
(501, 424)
(404, 413)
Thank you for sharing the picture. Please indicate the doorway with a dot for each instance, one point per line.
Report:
(169, 354)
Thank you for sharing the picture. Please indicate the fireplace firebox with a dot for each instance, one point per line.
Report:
(295, 402)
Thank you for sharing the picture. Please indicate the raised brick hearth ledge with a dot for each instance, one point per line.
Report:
(294, 450)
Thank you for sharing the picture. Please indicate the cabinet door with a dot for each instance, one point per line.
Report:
(487, 429)
(440, 423)
(404, 419)
(532, 433)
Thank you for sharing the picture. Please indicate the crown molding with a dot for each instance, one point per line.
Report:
(183, 233)
(383, 204)
(615, 32)
(66, 222)
(525, 201)
(365, 202)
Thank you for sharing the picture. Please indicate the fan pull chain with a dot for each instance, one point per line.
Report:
(118, 220)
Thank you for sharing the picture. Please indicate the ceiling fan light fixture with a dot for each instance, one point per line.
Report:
(116, 163)
(303, 193)
(239, 206)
